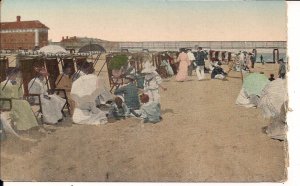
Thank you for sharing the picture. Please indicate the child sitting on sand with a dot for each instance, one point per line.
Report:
(118, 109)
(150, 111)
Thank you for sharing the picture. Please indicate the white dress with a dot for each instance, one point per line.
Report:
(88, 113)
(51, 108)
(151, 86)
(85, 111)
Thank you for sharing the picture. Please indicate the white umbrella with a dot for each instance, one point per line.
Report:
(86, 89)
(273, 96)
(52, 49)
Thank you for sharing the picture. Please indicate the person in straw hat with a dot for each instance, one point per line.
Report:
(21, 115)
(51, 104)
(152, 82)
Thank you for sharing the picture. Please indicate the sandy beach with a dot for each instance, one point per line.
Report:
(203, 137)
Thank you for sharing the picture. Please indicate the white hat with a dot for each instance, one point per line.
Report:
(148, 68)
(121, 97)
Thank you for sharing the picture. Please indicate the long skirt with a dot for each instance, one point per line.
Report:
(182, 71)
(52, 108)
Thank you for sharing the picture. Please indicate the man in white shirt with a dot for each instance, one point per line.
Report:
(192, 59)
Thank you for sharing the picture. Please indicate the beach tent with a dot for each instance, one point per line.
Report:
(274, 103)
(252, 88)
(254, 83)
(272, 97)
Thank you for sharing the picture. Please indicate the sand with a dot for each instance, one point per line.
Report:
(203, 137)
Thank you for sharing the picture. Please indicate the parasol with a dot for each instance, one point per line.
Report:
(52, 50)
(273, 97)
(91, 48)
(86, 89)
(254, 83)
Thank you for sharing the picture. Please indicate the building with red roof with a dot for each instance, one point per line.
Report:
(23, 35)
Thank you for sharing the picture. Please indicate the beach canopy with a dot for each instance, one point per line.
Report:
(273, 96)
(91, 48)
(52, 50)
(254, 83)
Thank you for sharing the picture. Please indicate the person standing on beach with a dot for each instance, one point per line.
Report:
(282, 69)
(262, 59)
(200, 57)
(192, 59)
(183, 65)
(152, 82)
(252, 59)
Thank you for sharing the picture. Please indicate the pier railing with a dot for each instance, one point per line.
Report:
(175, 45)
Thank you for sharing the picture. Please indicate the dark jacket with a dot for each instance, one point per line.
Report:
(131, 97)
(200, 57)
(217, 70)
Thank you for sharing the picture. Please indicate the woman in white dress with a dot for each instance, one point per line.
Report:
(52, 105)
(85, 111)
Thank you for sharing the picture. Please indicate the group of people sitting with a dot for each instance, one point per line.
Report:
(128, 102)
(102, 107)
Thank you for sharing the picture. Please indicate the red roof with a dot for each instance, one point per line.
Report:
(22, 25)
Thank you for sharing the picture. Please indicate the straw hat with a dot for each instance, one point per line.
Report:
(148, 68)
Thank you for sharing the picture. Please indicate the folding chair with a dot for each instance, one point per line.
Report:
(26, 65)
(52, 66)
(156, 61)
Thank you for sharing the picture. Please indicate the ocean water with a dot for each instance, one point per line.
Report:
(268, 57)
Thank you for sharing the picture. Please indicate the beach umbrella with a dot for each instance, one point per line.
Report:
(86, 88)
(52, 50)
(91, 48)
(254, 83)
(273, 97)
